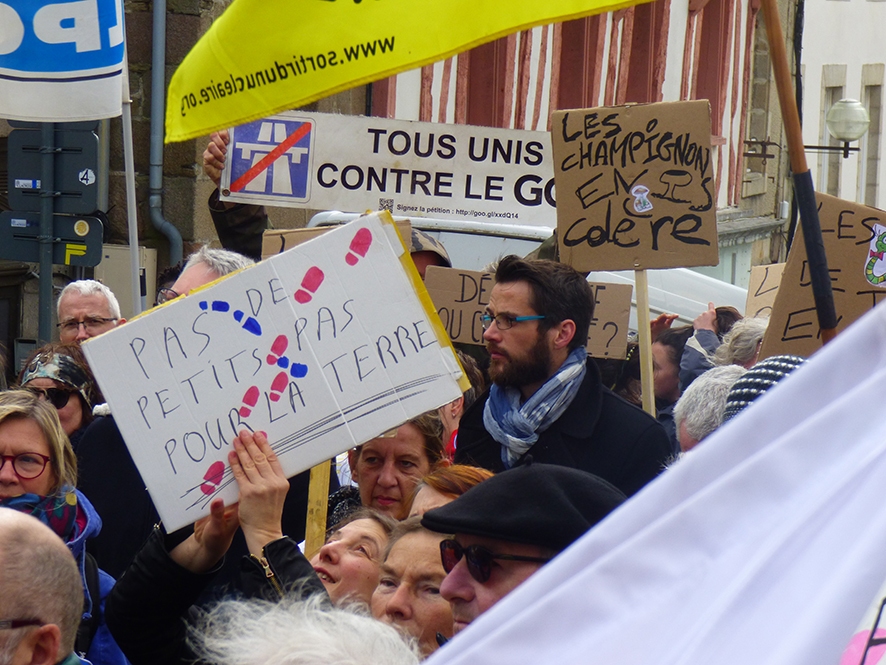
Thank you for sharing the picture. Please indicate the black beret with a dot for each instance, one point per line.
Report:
(535, 504)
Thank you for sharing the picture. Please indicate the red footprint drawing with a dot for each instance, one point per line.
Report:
(309, 285)
(277, 387)
(249, 401)
(213, 478)
(359, 246)
(278, 348)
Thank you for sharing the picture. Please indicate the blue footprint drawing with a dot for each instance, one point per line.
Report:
(250, 324)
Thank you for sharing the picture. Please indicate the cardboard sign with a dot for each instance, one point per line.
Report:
(461, 296)
(277, 241)
(762, 288)
(416, 169)
(322, 347)
(854, 241)
(608, 334)
(635, 186)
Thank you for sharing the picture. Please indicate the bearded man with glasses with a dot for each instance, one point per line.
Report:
(508, 527)
(547, 400)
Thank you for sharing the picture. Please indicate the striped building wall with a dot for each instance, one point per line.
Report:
(666, 50)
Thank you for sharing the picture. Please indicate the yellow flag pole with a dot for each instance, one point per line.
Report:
(318, 500)
(641, 285)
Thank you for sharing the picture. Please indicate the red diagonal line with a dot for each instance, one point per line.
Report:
(266, 161)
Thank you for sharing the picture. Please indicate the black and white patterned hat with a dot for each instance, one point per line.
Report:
(757, 380)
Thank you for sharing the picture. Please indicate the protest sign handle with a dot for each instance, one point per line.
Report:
(318, 499)
(642, 286)
(803, 188)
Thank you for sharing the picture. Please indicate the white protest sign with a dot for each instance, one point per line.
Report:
(420, 169)
(322, 347)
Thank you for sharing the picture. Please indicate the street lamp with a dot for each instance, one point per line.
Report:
(847, 120)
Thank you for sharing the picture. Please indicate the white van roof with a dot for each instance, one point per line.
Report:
(475, 245)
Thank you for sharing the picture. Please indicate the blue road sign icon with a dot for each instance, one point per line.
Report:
(272, 157)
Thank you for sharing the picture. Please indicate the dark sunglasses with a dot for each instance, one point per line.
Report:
(58, 397)
(478, 557)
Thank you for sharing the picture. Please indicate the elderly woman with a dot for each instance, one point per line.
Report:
(38, 470)
(441, 486)
(58, 374)
(387, 468)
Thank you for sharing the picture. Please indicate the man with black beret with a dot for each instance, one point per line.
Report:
(507, 527)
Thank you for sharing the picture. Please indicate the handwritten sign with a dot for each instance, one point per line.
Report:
(322, 347)
(461, 296)
(854, 241)
(635, 186)
(762, 288)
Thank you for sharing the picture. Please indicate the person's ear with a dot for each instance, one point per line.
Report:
(40, 647)
(563, 333)
(457, 407)
(121, 321)
(353, 456)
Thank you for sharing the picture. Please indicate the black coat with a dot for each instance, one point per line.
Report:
(599, 433)
(146, 608)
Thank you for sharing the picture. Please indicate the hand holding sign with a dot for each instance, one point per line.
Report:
(263, 487)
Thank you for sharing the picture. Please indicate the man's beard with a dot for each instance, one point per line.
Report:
(510, 373)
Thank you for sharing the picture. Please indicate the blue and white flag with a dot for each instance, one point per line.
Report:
(61, 61)
(763, 545)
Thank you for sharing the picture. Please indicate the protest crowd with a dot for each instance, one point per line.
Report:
(435, 522)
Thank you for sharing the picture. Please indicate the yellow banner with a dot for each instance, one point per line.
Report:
(265, 56)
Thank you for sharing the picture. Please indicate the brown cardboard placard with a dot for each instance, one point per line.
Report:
(635, 186)
(762, 287)
(608, 334)
(855, 244)
(275, 241)
(461, 296)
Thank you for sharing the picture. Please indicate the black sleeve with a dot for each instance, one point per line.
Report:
(146, 609)
(239, 228)
(282, 570)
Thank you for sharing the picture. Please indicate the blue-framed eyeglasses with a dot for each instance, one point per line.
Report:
(504, 322)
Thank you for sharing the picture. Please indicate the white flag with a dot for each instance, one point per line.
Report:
(764, 545)
(61, 61)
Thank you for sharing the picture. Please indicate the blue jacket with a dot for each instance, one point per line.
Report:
(103, 650)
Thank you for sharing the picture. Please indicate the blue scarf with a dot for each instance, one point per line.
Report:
(517, 427)
(58, 511)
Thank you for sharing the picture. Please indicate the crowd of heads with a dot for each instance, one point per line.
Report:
(428, 545)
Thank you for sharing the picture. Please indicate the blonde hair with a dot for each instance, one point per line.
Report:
(24, 404)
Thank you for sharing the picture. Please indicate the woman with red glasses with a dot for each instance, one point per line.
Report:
(38, 470)
(59, 374)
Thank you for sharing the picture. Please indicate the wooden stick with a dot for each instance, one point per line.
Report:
(803, 188)
(641, 285)
(318, 500)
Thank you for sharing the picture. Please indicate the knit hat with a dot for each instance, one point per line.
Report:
(422, 242)
(757, 380)
(536, 504)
